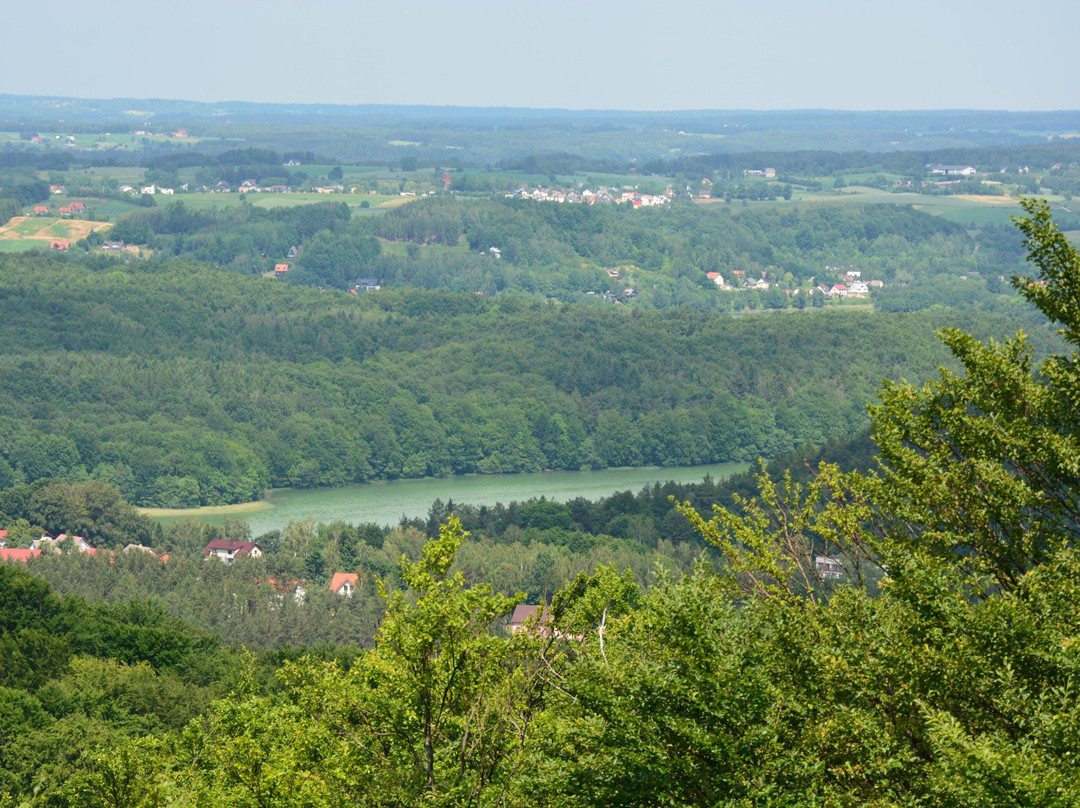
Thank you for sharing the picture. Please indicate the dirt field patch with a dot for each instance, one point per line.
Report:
(396, 203)
(22, 227)
(987, 200)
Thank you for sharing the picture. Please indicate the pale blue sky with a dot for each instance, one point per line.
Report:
(577, 54)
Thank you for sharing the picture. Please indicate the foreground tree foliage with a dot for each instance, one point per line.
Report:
(436, 713)
(984, 466)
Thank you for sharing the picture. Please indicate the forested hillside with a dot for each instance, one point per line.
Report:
(184, 385)
(581, 253)
(78, 680)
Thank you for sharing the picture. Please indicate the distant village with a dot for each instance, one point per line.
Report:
(601, 196)
(227, 552)
(852, 286)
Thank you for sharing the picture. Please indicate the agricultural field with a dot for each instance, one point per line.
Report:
(110, 209)
(28, 232)
(961, 208)
(91, 141)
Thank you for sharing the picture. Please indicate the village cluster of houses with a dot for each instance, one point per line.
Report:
(535, 618)
(73, 209)
(602, 196)
(60, 543)
(345, 584)
(951, 171)
(851, 286)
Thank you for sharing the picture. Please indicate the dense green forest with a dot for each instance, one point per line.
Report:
(936, 667)
(594, 338)
(77, 680)
(183, 385)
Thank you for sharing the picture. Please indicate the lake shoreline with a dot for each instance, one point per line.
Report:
(386, 502)
(208, 510)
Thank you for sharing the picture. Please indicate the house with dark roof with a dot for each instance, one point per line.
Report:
(532, 618)
(228, 551)
(829, 567)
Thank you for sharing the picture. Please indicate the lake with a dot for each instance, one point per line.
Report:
(386, 502)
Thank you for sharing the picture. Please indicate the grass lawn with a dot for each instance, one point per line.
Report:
(112, 208)
(198, 201)
(855, 179)
(971, 210)
(21, 245)
(211, 514)
(30, 226)
(352, 200)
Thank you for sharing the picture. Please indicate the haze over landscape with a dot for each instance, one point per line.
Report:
(599, 54)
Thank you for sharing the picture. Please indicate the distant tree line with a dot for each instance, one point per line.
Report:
(831, 163)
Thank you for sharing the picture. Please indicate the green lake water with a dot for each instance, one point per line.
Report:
(386, 502)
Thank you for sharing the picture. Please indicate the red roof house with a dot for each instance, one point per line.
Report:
(17, 554)
(282, 588)
(344, 583)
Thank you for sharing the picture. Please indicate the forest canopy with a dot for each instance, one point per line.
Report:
(182, 385)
